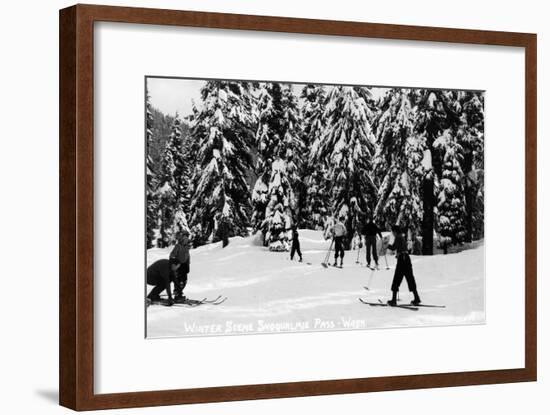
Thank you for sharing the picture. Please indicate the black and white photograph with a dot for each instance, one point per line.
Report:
(281, 207)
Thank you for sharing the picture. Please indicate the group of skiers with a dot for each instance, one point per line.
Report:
(162, 273)
(403, 268)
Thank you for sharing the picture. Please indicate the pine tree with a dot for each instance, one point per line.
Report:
(435, 114)
(470, 136)
(167, 199)
(224, 130)
(314, 205)
(450, 198)
(152, 200)
(347, 147)
(174, 186)
(399, 162)
(278, 216)
(278, 139)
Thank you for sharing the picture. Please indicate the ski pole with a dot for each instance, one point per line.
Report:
(386, 259)
(328, 253)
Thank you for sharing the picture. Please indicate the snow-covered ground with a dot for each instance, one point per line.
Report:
(268, 293)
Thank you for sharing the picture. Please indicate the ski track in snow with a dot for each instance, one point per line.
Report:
(267, 286)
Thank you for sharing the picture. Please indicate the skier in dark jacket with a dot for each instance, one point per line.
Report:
(180, 256)
(370, 231)
(161, 274)
(403, 267)
(295, 244)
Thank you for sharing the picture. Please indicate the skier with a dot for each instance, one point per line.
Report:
(370, 231)
(161, 274)
(180, 257)
(339, 232)
(403, 267)
(295, 244)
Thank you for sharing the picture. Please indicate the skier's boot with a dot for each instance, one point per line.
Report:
(154, 298)
(335, 264)
(416, 300)
(393, 301)
(180, 299)
(300, 259)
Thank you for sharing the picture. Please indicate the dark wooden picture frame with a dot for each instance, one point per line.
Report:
(76, 179)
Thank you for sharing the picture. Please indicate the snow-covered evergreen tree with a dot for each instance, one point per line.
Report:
(278, 216)
(224, 129)
(435, 114)
(151, 197)
(347, 148)
(450, 191)
(174, 187)
(316, 200)
(279, 141)
(399, 162)
(470, 136)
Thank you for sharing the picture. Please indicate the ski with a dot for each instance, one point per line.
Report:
(219, 300)
(406, 307)
(190, 302)
(205, 301)
(427, 305)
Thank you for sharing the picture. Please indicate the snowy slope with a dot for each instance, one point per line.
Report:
(269, 293)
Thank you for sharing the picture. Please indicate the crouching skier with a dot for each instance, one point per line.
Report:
(403, 267)
(181, 258)
(161, 274)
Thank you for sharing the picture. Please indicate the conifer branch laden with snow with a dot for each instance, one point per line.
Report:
(347, 147)
(278, 167)
(224, 130)
(174, 186)
(151, 195)
(316, 183)
(399, 162)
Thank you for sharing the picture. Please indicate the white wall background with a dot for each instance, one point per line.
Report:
(29, 209)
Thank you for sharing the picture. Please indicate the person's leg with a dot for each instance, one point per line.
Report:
(337, 246)
(411, 281)
(292, 251)
(397, 279)
(367, 245)
(298, 250)
(154, 295)
(374, 250)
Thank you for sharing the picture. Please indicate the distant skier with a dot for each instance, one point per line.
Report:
(161, 274)
(295, 244)
(370, 230)
(180, 257)
(403, 267)
(339, 232)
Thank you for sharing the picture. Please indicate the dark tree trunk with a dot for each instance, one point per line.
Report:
(428, 218)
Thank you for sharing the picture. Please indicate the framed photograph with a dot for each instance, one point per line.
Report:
(258, 207)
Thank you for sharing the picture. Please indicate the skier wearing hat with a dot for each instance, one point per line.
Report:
(403, 267)
(180, 256)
